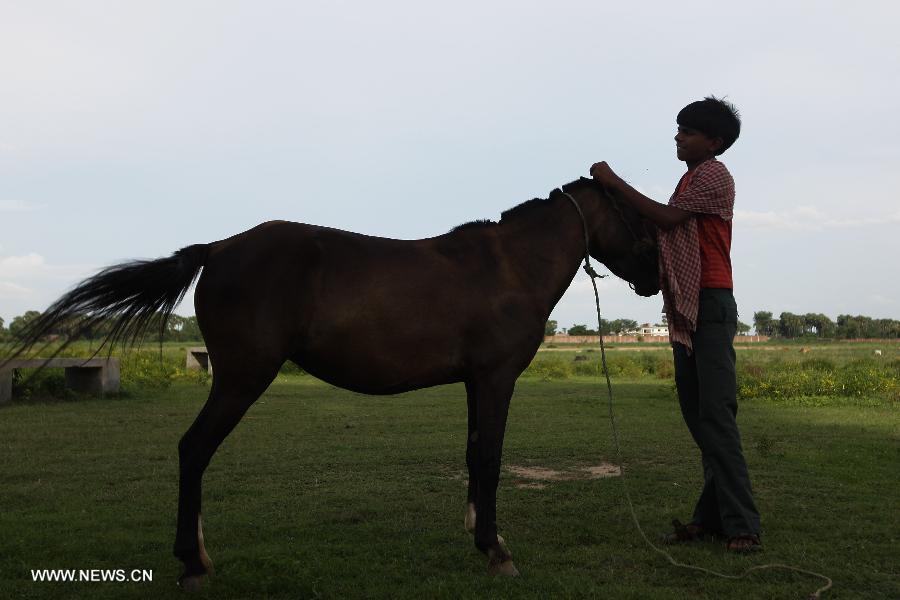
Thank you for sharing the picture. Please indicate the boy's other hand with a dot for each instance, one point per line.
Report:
(605, 175)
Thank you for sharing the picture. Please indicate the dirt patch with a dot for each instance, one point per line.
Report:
(602, 470)
(537, 473)
(533, 485)
(537, 477)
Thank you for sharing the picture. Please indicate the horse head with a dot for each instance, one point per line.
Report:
(618, 236)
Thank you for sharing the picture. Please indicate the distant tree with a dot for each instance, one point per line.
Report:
(581, 330)
(819, 325)
(191, 330)
(888, 328)
(610, 327)
(764, 324)
(858, 326)
(550, 327)
(742, 328)
(791, 325)
(3, 332)
(174, 325)
(848, 327)
(18, 324)
(618, 326)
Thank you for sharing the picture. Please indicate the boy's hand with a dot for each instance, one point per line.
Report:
(602, 173)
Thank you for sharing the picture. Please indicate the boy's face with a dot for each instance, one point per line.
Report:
(693, 147)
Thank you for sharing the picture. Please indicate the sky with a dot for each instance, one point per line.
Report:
(131, 129)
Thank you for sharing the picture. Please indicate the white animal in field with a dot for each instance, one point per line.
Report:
(878, 353)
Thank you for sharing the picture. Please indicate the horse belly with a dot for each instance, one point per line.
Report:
(382, 364)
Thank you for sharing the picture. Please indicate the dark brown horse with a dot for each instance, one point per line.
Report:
(372, 315)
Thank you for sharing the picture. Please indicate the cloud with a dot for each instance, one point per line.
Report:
(18, 206)
(33, 267)
(13, 290)
(16, 266)
(808, 218)
(29, 282)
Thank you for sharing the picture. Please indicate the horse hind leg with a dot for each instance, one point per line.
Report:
(233, 392)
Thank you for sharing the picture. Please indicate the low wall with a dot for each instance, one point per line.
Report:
(629, 339)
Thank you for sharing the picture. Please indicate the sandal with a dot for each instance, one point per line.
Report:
(745, 543)
(692, 532)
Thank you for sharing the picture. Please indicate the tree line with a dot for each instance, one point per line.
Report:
(614, 327)
(178, 329)
(787, 325)
(816, 325)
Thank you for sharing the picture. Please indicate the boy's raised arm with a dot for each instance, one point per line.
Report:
(663, 216)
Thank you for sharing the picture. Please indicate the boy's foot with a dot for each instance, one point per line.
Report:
(692, 532)
(746, 543)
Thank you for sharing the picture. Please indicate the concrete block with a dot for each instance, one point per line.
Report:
(96, 376)
(198, 358)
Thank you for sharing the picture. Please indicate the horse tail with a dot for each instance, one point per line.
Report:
(128, 298)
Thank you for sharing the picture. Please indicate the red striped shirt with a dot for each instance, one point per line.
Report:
(707, 191)
(715, 252)
(714, 236)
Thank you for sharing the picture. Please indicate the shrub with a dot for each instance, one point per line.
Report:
(816, 377)
(550, 368)
(30, 384)
(148, 369)
(588, 368)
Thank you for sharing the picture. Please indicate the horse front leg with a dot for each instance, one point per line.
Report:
(471, 460)
(491, 403)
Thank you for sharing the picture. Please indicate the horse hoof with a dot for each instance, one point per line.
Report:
(505, 568)
(192, 583)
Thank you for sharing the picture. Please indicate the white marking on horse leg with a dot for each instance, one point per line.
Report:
(470, 517)
(204, 557)
(195, 583)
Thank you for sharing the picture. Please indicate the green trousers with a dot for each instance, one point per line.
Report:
(707, 392)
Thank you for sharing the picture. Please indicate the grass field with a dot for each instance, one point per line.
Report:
(320, 492)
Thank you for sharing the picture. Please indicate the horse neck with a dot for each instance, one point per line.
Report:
(547, 246)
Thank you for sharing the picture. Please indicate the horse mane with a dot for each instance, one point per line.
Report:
(529, 206)
(537, 203)
(478, 223)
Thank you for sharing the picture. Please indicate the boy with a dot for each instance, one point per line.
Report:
(695, 278)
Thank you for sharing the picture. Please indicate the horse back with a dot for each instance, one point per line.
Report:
(368, 313)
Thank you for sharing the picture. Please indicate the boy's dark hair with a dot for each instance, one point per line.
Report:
(713, 117)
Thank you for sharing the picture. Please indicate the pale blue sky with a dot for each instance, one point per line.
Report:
(130, 129)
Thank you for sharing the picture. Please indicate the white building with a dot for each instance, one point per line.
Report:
(648, 329)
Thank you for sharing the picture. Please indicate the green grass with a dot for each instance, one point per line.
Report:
(320, 492)
(815, 374)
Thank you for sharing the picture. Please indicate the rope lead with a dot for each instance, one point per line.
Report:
(612, 420)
